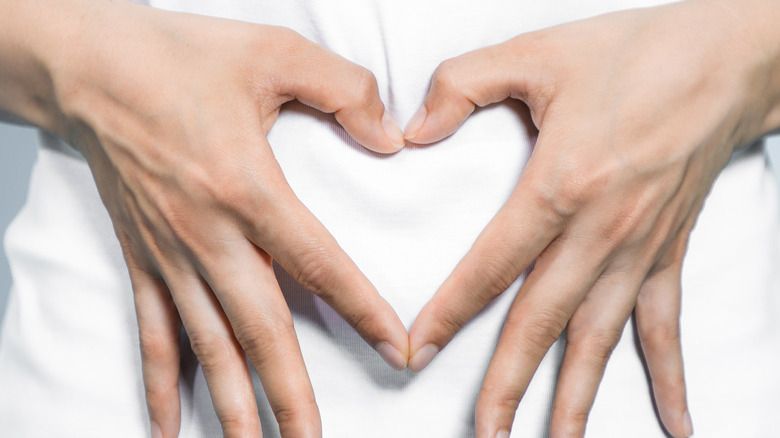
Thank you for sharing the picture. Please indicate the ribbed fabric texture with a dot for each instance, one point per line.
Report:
(69, 361)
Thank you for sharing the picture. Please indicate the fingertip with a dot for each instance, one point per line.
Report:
(391, 355)
(393, 132)
(687, 424)
(677, 423)
(156, 431)
(426, 339)
(415, 124)
(422, 357)
(445, 116)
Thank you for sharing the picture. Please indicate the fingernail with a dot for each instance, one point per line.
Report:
(502, 434)
(423, 357)
(393, 132)
(687, 424)
(393, 357)
(416, 123)
(156, 431)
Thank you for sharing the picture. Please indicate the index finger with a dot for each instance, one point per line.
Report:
(293, 237)
(330, 83)
(518, 233)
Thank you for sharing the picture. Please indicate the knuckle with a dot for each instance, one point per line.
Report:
(539, 331)
(260, 335)
(493, 399)
(571, 422)
(564, 186)
(660, 337)
(159, 398)
(211, 349)
(365, 87)
(446, 78)
(595, 346)
(316, 272)
(557, 199)
(498, 273)
(238, 423)
(154, 344)
(287, 415)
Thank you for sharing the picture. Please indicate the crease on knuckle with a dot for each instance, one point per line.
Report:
(287, 415)
(154, 344)
(660, 337)
(539, 331)
(497, 274)
(493, 400)
(238, 422)
(571, 422)
(211, 349)
(315, 272)
(595, 346)
(159, 397)
(260, 335)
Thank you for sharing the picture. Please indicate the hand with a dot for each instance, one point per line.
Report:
(172, 111)
(637, 113)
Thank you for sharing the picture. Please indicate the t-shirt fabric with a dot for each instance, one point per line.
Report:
(69, 360)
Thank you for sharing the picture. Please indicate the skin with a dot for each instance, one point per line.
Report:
(198, 202)
(632, 134)
(635, 121)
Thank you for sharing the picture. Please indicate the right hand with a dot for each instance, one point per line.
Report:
(171, 111)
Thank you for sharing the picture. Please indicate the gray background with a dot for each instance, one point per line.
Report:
(17, 153)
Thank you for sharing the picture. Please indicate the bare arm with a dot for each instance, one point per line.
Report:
(171, 111)
(637, 111)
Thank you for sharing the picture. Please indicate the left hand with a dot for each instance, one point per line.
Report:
(637, 112)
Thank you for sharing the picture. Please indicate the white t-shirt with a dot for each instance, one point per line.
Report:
(69, 361)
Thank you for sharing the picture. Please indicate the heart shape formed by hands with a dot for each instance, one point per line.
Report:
(627, 151)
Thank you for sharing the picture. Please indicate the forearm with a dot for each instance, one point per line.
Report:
(754, 50)
(26, 40)
(39, 40)
(770, 26)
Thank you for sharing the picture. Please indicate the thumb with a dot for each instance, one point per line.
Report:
(477, 78)
(325, 81)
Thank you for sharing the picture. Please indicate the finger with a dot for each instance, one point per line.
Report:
(219, 354)
(248, 292)
(657, 318)
(304, 248)
(326, 81)
(536, 318)
(477, 78)
(518, 233)
(159, 328)
(221, 358)
(593, 332)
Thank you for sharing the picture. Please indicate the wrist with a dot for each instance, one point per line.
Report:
(755, 53)
(42, 43)
(26, 34)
